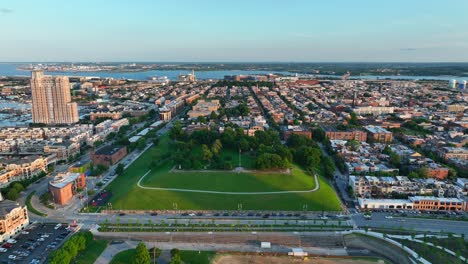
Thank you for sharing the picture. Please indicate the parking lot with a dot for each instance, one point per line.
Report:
(34, 244)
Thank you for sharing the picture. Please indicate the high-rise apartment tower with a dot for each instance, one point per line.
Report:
(51, 100)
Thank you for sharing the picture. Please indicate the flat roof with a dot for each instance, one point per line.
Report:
(108, 150)
(63, 179)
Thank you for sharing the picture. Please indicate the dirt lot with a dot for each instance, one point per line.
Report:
(242, 259)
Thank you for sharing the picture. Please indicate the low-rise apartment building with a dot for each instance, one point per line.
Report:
(13, 218)
(16, 169)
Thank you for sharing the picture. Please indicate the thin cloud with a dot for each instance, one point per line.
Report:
(408, 49)
(5, 10)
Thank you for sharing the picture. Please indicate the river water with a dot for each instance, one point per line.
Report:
(10, 69)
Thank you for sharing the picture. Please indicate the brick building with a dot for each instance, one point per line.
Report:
(108, 155)
(65, 185)
(334, 134)
(379, 134)
(430, 203)
(298, 130)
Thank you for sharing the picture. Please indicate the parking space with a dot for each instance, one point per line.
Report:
(34, 243)
(100, 199)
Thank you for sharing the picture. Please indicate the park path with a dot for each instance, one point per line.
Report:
(414, 239)
(316, 188)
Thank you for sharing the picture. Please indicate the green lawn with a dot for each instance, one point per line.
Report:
(127, 195)
(247, 160)
(194, 257)
(230, 181)
(124, 257)
(92, 252)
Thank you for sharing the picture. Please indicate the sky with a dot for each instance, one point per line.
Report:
(234, 30)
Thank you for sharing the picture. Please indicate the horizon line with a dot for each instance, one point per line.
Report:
(236, 62)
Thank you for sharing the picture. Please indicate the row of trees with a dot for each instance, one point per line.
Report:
(13, 190)
(71, 248)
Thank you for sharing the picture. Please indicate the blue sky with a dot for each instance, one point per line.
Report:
(234, 30)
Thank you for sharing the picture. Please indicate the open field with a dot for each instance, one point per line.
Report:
(127, 195)
(231, 181)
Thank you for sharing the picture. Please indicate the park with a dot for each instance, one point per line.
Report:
(155, 182)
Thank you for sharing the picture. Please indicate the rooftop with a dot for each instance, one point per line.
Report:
(63, 179)
(108, 150)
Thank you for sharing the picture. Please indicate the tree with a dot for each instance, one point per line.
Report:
(328, 167)
(213, 115)
(270, 161)
(353, 119)
(283, 152)
(18, 187)
(395, 160)
(228, 138)
(216, 147)
(120, 169)
(206, 153)
(142, 255)
(244, 144)
(12, 194)
(201, 119)
(308, 156)
(176, 259)
(452, 174)
(176, 132)
(175, 251)
(141, 143)
(297, 141)
(413, 174)
(423, 172)
(319, 134)
(387, 150)
(353, 144)
(97, 143)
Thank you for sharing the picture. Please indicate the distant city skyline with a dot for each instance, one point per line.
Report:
(234, 31)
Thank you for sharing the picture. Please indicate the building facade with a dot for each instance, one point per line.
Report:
(109, 155)
(21, 168)
(379, 134)
(65, 185)
(346, 135)
(51, 100)
(13, 218)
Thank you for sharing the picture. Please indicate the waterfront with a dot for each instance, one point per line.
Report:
(10, 69)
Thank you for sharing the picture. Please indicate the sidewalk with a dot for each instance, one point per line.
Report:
(391, 241)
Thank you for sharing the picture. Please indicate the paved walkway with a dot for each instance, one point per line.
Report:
(391, 241)
(463, 259)
(316, 188)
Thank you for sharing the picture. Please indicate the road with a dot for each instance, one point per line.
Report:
(70, 212)
(418, 224)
